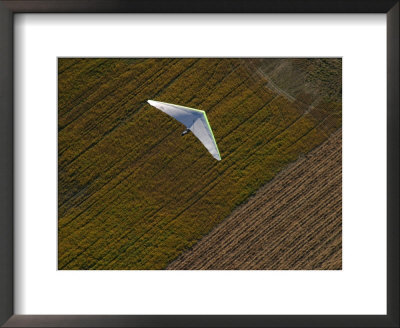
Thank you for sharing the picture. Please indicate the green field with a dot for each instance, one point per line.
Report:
(133, 193)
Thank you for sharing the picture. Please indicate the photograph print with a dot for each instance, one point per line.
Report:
(199, 163)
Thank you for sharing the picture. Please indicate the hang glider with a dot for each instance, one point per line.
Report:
(195, 121)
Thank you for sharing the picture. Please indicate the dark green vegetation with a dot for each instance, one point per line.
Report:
(133, 193)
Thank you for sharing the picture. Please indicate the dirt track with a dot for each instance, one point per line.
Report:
(293, 222)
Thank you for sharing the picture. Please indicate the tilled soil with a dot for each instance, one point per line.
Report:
(294, 222)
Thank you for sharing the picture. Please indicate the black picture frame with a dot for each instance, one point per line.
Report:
(7, 11)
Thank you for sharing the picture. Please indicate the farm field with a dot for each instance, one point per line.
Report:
(133, 193)
(293, 222)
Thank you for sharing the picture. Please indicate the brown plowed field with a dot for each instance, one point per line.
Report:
(293, 222)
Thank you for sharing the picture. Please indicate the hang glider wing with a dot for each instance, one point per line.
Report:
(202, 130)
(195, 120)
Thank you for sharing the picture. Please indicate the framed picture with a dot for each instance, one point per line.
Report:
(203, 164)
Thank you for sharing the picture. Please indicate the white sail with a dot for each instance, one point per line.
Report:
(195, 120)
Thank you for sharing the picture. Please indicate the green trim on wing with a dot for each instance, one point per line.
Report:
(196, 110)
